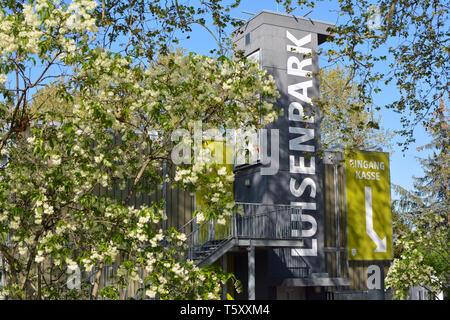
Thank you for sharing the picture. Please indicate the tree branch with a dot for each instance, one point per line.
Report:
(138, 177)
(97, 281)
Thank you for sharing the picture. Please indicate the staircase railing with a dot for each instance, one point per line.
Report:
(248, 221)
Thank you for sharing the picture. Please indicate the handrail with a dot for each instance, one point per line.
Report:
(243, 203)
(258, 221)
(267, 204)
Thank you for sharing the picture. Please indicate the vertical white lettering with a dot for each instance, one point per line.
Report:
(306, 135)
(298, 192)
(300, 168)
(300, 116)
(299, 43)
(296, 66)
(307, 252)
(312, 252)
(303, 87)
(298, 70)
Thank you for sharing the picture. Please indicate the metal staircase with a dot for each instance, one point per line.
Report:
(251, 224)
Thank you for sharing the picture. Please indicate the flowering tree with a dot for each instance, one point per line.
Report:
(396, 42)
(422, 244)
(105, 119)
(338, 91)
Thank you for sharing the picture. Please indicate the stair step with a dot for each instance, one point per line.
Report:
(207, 247)
(199, 253)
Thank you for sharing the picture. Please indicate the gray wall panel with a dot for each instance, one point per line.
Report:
(272, 33)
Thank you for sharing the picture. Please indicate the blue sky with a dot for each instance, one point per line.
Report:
(403, 164)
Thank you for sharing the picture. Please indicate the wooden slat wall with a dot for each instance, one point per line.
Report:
(179, 203)
(330, 237)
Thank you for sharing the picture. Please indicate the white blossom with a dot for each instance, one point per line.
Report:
(55, 160)
(39, 257)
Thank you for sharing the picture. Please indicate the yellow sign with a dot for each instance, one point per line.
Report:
(368, 193)
(223, 155)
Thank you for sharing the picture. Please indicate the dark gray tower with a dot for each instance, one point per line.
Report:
(286, 46)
